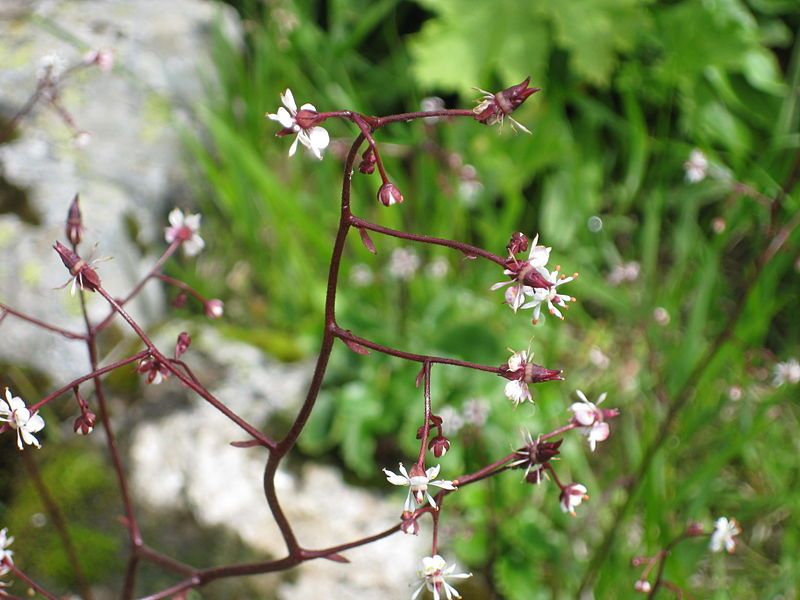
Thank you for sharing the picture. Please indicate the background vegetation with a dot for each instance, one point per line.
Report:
(685, 345)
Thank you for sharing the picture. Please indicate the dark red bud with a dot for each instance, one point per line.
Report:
(180, 300)
(409, 524)
(439, 446)
(389, 194)
(74, 222)
(518, 243)
(84, 423)
(306, 119)
(695, 529)
(368, 161)
(493, 108)
(183, 343)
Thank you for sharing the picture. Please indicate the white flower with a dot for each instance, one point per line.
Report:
(184, 228)
(314, 138)
(418, 483)
(434, 575)
(723, 536)
(515, 295)
(624, 272)
(549, 296)
(786, 372)
(403, 263)
(14, 412)
(590, 418)
(696, 167)
(5, 554)
(517, 389)
(476, 411)
(361, 275)
(571, 496)
(51, 67)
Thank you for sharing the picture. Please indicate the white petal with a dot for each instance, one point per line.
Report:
(288, 101)
(308, 106)
(176, 217)
(433, 472)
(285, 118)
(293, 147)
(35, 423)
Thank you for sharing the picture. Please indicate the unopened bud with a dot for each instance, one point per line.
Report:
(642, 585)
(183, 343)
(389, 194)
(694, 529)
(368, 161)
(439, 446)
(214, 308)
(74, 222)
(518, 243)
(84, 423)
(409, 525)
(180, 300)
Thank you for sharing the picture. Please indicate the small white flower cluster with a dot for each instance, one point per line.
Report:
(14, 412)
(696, 167)
(522, 295)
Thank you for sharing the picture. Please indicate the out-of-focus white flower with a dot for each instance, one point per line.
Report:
(51, 67)
(661, 315)
(361, 275)
(725, 532)
(598, 358)
(643, 586)
(403, 263)
(431, 104)
(571, 497)
(82, 139)
(696, 167)
(434, 575)
(590, 418)
(14, 412)
(438, 268)
(452, 420)
(184, 228)
(786, 372)
(303, 123)
(6, 555)
(624, 272)
(418, 482)
(476, 411)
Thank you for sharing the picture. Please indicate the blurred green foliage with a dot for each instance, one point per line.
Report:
(629, 89)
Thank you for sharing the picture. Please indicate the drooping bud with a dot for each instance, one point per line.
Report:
(183, 343)
(74, 222)
(493, 108)
(368, 162)
(518, 243)
(409, 525)
(83, 275)
(154, 370)
(180, 300)
(84, 424)
(214, 308)
(389, 194)
(104, 59)
(439, 446)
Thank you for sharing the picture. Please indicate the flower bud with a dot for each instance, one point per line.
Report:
(214, 308)
(642, 585)
(155, 372)
(389, 194)
(84, 423)
(439, 446)
(180, 300)
(409, 525)
(695, 529)
(368, 161)
(518, 243)
(74, 222)
(183, 343)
